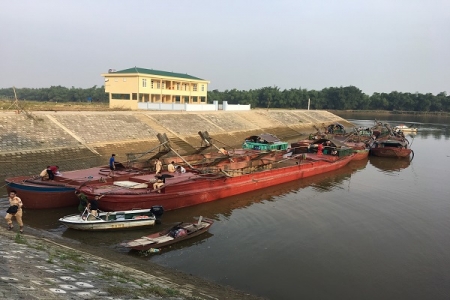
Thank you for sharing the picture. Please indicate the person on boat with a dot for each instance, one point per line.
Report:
(159, 183)
(93, 205)
(181, 170)
(319, 149)
(15, 210)
(158, 166)
(171, 167)
(44, 174)
(223, 151)
(52, 171)
(112, 165)
(84, 202)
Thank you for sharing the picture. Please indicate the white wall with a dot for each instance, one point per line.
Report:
(192, 107)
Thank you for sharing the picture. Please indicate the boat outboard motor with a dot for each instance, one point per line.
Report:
(158, 211)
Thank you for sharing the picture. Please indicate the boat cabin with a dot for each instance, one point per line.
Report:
(390, 143)
(336, 128)
(330, 147)
(264, 142)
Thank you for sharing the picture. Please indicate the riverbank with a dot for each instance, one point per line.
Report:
(36, 265)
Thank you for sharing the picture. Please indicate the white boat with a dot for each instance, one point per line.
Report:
(113, 220)
(405, 128)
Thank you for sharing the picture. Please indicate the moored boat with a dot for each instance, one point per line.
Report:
(391, 148)
(405, 128)
(175, 234)
(198, 186)
(42, 194)
(113, 220)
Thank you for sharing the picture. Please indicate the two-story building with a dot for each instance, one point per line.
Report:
(128, 87)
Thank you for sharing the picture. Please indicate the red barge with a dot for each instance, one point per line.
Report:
(209, 177)
(211, 183)
(60, 192)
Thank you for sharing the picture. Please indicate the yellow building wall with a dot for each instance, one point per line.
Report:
(133, 84)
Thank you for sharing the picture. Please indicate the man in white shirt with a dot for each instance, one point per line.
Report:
(171, 167)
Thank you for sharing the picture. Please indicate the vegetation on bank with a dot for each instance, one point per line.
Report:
(26, 105)
(333, 98)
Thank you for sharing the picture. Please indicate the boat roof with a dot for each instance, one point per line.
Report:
(333, 141)
(270, 138)
(391, 142)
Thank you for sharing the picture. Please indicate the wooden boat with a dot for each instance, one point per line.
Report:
(405, 128)
(229, 178)
(112, 220)
(175, 234)
(391, 148)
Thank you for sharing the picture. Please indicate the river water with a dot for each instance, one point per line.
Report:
(376, 229)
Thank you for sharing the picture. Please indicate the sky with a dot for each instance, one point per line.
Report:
(375, 45)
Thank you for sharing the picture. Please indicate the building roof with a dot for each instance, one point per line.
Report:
(156, 72)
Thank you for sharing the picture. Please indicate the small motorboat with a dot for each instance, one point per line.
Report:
(175, 234)
(405, 128)
(114, 220)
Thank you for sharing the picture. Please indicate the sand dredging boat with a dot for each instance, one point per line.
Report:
(214, 176)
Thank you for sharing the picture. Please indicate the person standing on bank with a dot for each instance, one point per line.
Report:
(112, 165)
(15, 210)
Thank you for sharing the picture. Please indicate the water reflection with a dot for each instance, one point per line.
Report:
(222, 209)
(389, 165)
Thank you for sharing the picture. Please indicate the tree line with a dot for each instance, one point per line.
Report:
(57, 94)
(332, 98)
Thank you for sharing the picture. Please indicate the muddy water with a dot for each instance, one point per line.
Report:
(376, 229)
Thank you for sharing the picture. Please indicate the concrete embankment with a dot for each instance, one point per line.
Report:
(74, 140)
(37, 266)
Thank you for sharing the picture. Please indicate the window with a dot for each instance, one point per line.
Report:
(163, 85)
(144, 82)
(120, 96)
(151, 83)
(203, 87)
(134, 96)
(157, 85)
(178, 86)
(194, 87)
(185, 87)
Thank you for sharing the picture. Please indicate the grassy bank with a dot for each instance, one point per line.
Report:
(9, 105)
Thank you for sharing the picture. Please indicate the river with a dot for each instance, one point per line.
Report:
(376, 229)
